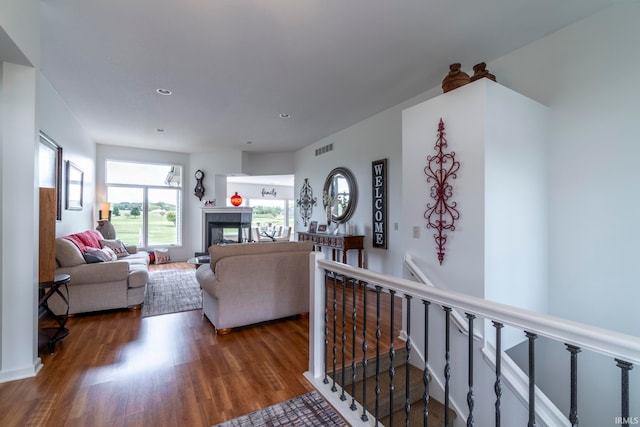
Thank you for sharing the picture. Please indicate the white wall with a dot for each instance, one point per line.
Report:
(267, 163)
(463, 112)
(59, 123)
(18, 223)
(375, 138)
(258, 191)
(19, 41)
(593, 207)
(216, 165)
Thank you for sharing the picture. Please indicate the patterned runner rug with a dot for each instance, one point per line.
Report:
(309, 409)
(171, 291)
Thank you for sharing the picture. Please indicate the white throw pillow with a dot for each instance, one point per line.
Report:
(162, 256)
(116, 246)
(105, 254)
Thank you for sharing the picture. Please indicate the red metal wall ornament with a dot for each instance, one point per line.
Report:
(443, 213)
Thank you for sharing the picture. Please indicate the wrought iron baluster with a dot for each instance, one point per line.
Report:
(573, 411)
(498, 384)
(392, 356)
(425, 372)
(407, 405)
(354, 316)
(532, 378)
(365, 362)
(625, 367)
(335, 322)
(377, 408)
(344, 335)
(447, 365)
(470, 397)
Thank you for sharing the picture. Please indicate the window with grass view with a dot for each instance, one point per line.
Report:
(145, 202)
(270, 215)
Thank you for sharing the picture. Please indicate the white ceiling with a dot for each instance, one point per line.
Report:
(235, 65)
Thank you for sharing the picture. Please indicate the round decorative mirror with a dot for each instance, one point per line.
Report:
(341, 193)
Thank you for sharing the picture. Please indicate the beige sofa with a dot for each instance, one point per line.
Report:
(103, 285)
(254, 282)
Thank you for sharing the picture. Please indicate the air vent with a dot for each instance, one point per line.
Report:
(320, 151)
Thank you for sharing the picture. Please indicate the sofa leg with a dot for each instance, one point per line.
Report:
(304, 315)
(223, 331)
(135, 307)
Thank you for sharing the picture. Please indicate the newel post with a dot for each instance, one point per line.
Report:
(316, 315)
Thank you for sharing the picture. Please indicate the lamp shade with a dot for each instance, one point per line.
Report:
(236, 199)
(105, 208)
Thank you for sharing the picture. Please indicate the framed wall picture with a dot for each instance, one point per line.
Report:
(322, 228)
(313, 226)
(74, 187)
(50, 168)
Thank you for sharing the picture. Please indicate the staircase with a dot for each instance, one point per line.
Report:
(367, 386)
(356, 313)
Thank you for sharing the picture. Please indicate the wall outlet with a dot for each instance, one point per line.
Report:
(416, 231)
(395, 226)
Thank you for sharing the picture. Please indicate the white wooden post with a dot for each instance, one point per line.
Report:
(316, 315)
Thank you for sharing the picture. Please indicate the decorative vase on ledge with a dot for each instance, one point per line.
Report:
(455, 78)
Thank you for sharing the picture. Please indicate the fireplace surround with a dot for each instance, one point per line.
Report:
(223, 225)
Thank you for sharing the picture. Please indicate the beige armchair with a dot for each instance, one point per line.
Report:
(255, 282)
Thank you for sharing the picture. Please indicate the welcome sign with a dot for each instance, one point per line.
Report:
(379, 203)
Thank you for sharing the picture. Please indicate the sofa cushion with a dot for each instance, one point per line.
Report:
(67, 253)
(116, 246)
(217, 252)
(138, 275)
(104, 254)
(92, 259)
(161, 256)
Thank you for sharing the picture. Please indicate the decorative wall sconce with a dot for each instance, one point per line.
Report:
(104, 213)
(236, 199)
(443, 213)
(306, 202)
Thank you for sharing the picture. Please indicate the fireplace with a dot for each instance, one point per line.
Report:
(226, 225)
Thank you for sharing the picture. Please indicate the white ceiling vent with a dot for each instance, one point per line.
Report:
(325, 149)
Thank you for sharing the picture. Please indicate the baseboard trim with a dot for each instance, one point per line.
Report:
(19, 374)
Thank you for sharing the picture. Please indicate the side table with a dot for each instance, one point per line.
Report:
(199, 260)
(46, 289)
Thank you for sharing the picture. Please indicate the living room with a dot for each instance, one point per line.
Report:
(589, 161)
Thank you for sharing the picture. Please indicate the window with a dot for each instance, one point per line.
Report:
(145, 202)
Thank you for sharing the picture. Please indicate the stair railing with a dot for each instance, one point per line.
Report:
(458, 320)
(624, 350)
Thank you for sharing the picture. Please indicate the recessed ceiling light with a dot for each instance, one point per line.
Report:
(285, 116)
(163, 91)
(159, 130)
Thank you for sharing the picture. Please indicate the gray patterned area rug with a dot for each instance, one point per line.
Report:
(309, 409)
(171, 291)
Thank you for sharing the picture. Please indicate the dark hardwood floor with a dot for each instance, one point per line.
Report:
(118, 369)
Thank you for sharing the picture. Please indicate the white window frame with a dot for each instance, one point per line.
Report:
(145, 201)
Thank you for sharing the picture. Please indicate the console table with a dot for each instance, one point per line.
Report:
(335, 242)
